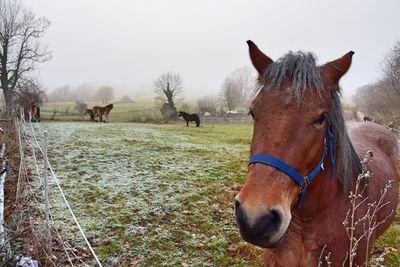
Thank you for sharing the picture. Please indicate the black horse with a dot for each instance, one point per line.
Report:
(190, 117)
(366, 118)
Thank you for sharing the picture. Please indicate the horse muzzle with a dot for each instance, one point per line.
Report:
(264, 231)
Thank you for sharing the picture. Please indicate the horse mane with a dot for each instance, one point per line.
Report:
(304, 74)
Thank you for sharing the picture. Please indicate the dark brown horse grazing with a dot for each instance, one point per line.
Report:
(34, 110)
(90, 113)
(190, 117)
(100, 111)
(298, 122)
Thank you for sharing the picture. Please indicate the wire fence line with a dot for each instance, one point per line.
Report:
(64, 244)
(34, 143)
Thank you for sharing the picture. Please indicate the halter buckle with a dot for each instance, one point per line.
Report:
(305, 184)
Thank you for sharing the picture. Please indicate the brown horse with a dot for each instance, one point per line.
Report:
(299, 125)
(34, 110)
(100, 111)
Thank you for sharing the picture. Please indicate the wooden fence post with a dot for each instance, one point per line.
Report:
(46, 193)
(21, 113)
(45, 184)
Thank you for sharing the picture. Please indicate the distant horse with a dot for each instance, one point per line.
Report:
(366, 118)
(100, 111)
(190, 117)
(90, 113)
(34, 110)
(304, 164)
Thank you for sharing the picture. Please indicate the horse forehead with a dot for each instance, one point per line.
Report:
(284, 100)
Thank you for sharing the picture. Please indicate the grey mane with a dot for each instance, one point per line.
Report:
(305, 75)
(300, 67)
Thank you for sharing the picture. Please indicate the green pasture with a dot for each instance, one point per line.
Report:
(158, 195)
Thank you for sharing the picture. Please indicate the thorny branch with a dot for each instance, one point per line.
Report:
(368, 220)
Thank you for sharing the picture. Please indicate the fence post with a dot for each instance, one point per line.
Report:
(45, 185)
(18, 126)
(46, 193)
(21, 113)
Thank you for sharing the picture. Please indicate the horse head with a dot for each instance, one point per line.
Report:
(291, 112)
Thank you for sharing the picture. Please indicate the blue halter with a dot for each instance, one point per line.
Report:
(301, 181)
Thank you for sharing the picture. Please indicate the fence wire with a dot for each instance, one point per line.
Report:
(35, 143)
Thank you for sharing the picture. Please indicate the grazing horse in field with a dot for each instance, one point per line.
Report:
(100, 111)
(34, 110)
(90, 113)
(190, 117)
(304, 163)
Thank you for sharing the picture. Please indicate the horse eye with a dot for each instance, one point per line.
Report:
(320, 119)
(251, 114)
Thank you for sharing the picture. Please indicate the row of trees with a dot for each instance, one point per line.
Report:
(21, 51)
(382, 98)
(83, 92)
(236, 92)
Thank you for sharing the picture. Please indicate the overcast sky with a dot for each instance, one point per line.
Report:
(127, 43)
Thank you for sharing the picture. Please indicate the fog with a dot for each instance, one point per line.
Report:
(126, 44)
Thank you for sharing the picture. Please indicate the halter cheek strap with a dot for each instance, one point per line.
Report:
(301, 181)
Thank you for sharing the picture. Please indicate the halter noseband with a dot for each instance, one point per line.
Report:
(301, 181)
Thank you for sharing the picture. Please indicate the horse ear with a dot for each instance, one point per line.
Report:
(334, 70)
(258, 58)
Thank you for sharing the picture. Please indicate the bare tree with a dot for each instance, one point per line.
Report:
(83, 92)
(237, 88)
(382, 98)
(60, 94)
(244, 79)
(104, 94)
(81, 107)
(207, 104)
(167, 86)
(391, 70)
(27, 92)
(126, 99)
(20, 49)
(230, 94)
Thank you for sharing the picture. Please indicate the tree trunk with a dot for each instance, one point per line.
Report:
(9, 102)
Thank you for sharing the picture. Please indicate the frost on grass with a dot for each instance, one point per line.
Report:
(157, 193)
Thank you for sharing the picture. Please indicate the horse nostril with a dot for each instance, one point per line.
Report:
(269, 223)
(262, 228)
(271, 219)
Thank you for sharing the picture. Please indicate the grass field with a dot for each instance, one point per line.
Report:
(161, 193)
(158, 195)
